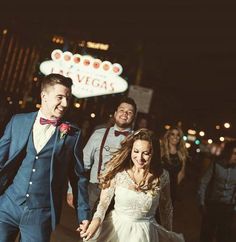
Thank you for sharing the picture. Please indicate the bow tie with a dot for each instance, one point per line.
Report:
(54, 122)
(125, 133)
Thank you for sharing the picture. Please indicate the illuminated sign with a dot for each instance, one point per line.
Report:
(90, 76)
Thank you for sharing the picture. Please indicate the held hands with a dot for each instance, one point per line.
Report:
(83, 226)
(88, 233)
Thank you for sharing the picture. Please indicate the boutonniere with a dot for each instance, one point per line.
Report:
(64, 130)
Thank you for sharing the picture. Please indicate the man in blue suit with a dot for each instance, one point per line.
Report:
(38, 153)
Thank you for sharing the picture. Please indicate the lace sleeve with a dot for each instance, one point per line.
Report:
(165, 208)
(105, 199)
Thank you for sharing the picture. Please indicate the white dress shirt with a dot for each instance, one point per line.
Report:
(41, 133)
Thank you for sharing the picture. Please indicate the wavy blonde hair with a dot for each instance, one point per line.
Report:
(181, 148)
(122, 160)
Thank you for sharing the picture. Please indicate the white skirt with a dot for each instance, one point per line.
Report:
(120, 228)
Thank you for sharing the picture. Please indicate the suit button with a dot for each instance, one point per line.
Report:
(34, 170)
(30, 182)
(36, 157)
(27, 195)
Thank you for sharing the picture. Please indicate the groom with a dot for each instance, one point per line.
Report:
(37, 152)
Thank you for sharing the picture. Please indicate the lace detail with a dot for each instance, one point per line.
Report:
(105, 199)
(165, 208)
(133, 203)
(133, 218)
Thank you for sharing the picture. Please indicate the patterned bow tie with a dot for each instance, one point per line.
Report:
(125, 133)
(54, 122)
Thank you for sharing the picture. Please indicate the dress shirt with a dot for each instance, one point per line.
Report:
(41, 133)
(92, 149)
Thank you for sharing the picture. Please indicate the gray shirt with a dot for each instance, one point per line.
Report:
(222, 187)
(92, 149)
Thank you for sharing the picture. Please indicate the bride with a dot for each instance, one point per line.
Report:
(140, 186)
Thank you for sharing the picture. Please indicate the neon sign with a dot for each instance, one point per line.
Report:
(90, 76)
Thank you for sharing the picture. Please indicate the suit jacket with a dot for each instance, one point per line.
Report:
(65, 160)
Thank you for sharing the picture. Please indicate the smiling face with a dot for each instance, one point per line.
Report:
(174, 137)
(124, 115)
(141, 154)
(55, 101)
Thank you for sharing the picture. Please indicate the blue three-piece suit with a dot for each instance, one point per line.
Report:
(33, 184)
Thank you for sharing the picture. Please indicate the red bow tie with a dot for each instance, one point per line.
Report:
(54, 122)
(125, 133)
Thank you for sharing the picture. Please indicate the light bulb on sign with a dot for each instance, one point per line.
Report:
(227, 125)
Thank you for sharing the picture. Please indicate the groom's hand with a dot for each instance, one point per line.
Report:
(83, 226)
(91, 230)
(69, 199)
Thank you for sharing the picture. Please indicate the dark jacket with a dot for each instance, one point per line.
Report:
(218, 184)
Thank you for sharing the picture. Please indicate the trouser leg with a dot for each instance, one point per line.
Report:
(225, 220)
(35, 225)
(9, 220)
(208, 226)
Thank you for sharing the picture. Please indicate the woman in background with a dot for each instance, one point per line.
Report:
(174, 155)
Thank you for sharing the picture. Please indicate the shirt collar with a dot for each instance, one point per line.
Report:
(117, 128)
(40, 115)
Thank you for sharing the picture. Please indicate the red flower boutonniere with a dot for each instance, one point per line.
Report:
(64, 130)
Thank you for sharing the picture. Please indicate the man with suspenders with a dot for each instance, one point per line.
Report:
(104, 141)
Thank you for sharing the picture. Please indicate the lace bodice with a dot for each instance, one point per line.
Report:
(137, 204)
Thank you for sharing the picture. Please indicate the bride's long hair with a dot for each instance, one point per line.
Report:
(121, 159)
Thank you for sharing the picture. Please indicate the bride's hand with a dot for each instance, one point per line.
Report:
(92, 228)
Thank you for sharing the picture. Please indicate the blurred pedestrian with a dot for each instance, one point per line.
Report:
(217, 197)
(142, 122)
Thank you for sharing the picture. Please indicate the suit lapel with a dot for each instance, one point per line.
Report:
(25, 129)
(58, 142)
(22, 129)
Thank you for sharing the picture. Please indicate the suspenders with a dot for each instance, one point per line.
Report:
(101, 150)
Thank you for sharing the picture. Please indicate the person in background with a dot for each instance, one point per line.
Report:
(103, 143)
(37, 152)
(138, 182)
(174, 156)
(217, 197)
(142, 122)
(86, 130)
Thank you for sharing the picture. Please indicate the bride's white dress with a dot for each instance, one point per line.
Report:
(133, 217)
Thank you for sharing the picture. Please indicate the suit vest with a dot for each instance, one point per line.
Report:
(31, 184)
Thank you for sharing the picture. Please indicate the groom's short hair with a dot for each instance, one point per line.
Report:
(53, 79)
